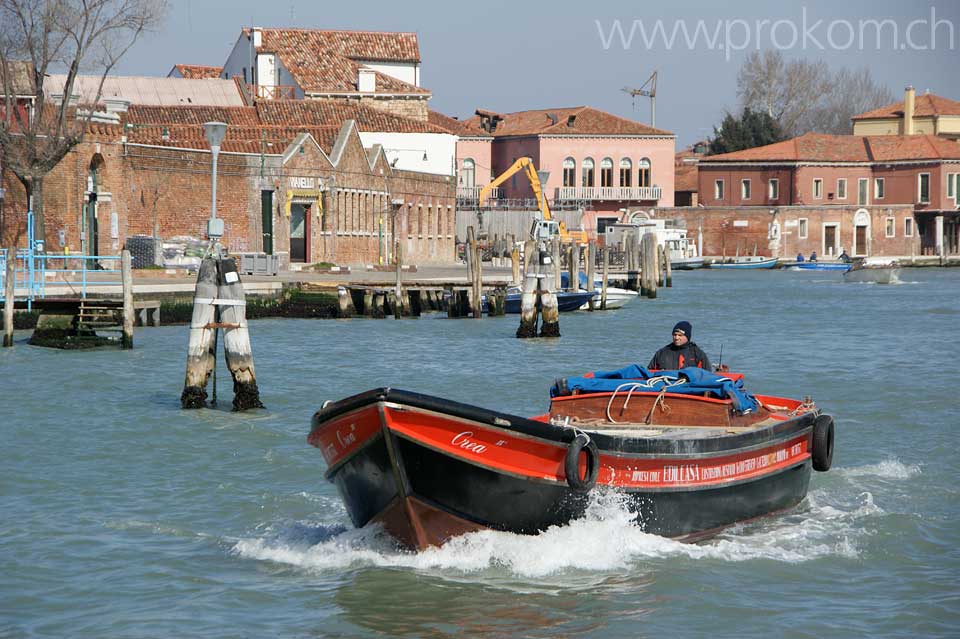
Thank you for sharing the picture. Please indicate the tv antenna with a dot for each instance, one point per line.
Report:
(647, 90)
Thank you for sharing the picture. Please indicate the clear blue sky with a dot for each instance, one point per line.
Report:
(512, 55)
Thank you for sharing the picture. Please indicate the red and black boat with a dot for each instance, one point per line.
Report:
(691, 451)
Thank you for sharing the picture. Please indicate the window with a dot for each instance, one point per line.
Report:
(953, 185)
(802, 228)
(890, 227)
(842, 189)
(773, 190)
(862, 191)
(718, 190)
(468, 175)
(878, 188)
(744, 189)
(569, 172)
(908, 227)
(923, 188)
(587, 173)
(643, 172)
(606, 172)
(818, 188)
(626, 168)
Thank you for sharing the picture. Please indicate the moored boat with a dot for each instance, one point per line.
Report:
(746, 261)
(566, 300)
(691, 452)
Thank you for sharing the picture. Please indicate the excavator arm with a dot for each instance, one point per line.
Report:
(525, 164)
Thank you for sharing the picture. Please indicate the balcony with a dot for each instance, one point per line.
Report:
(272, 92)
(648, 193)
(470, 195)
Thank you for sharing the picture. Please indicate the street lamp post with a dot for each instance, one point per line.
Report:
(215, 132)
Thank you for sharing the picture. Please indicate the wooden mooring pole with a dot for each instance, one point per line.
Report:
(236, 337)
(126, 276)
(591, 271)
(8, 291)
(200, 351)
(528, 300)
(605, 276)
(648, 266)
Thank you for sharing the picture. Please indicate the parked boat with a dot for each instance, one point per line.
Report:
(566, 300)
(616, 297)
(875, 271)
(746, 261)
(821, 266)
(691, 452)
(686, 263)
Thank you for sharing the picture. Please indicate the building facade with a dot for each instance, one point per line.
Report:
(814, 170)
(926, 114)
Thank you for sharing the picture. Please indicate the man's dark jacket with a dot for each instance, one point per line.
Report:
(671, 358)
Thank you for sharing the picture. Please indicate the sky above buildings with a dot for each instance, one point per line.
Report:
(506, 55)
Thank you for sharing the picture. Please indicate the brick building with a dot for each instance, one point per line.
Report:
(596, 161)
(857, 174)
(294, 178)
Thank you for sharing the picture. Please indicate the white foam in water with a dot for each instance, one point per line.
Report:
(605, 540)
(887, 469)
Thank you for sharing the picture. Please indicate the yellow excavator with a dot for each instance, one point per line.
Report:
(546, 227)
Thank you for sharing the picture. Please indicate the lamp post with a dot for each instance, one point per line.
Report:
(215, 131)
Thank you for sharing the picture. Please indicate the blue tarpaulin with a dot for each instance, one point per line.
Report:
(686, 381)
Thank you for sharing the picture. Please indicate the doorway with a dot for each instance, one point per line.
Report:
(830, 239)
(266, 216)
(299, 231)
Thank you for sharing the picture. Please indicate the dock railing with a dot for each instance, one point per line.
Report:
(78, 273)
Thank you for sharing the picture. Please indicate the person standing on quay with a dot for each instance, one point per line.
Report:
(681, 352)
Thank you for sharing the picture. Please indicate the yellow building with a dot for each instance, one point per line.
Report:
(926, 113)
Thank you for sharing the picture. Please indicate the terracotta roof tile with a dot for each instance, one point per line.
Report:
(819, 147)
(197, 71)
(923, 106)
(329, 61)
(270, 140)
(452, 125)
(335, 112)
(686, 177)
(585, 121)
(173, 115)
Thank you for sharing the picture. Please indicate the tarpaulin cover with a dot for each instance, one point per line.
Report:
(686, 381)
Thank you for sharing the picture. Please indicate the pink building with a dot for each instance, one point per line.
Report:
(847, 170)
(594, 160)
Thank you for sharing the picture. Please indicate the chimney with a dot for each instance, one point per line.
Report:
(367, 81)
(257, 37)
(908, 97)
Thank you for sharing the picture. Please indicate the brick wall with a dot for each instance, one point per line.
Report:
(415, 108)
(803, 229)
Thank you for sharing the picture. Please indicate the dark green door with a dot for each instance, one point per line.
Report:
(266, 212)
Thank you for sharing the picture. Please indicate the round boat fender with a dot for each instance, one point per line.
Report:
(571, 465)
(822, 452)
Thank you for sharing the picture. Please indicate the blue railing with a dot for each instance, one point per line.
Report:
(76, 273)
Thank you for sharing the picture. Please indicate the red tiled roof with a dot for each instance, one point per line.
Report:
(819, 147)
(271, 121)
(586, 121)
(330, 112)
(329, 61)
(926, 105)
(452, 125)
(198, 71)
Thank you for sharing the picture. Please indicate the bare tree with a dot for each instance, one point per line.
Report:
(807, 96)
(46, 36)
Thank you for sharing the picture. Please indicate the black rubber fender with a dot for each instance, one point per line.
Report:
(822, 451)
(571, 464)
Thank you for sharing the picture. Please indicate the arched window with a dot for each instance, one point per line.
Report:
(569, 172)
(468, 174)
(626, 167)
(587, 173)
(606, 172)
(643, 173)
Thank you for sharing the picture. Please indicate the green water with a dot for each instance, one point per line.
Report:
(124, 516)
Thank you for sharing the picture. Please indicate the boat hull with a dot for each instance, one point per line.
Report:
(874, 275)
(820, 266)
(427, 470)
(567, 301)
(746, 264)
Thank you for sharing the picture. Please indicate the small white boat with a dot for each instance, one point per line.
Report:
(616, 298)
(873, 271)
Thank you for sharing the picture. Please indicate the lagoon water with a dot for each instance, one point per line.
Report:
(124, 516)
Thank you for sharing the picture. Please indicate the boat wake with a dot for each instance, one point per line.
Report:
(831, 521)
